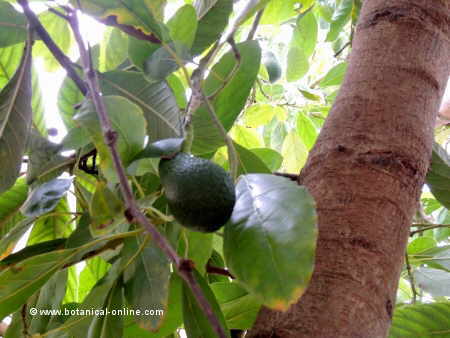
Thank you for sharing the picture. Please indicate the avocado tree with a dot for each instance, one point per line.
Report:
(203, 145)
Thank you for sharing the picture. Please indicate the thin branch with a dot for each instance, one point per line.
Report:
(132, 213)
(255, 25)
(426, 227)
(62, 58)
(339, 52)
(292, 177)
(411, 278)
(218, 271)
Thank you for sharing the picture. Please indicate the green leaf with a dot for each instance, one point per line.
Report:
(140, 50)
(13, 25)
(156, 100)
(229, 101)
(11, 200)
(421, 320)
(420, 245)
(165, 147)
(134, 14)
(305, 33)
(249, 162)
(340, 17)
(172, 316)
(166, 60)
(271, 158)
(213, 18)
(238, 306)
(37, 105)
(33, 250)
(273, 224)
(15, 121)
(334, 76)
(113, 49)
(50, 297)
(278, 11)
(109, 325)
(259, 114)
(14, 234)
(44, 161)
(246, 137)
(105, 208)
(199, 250)
(130, 128)
(294, 153)
(68, 98)
(434, 281)
(297, 64)
(59, 31)
(438, 176)
(196, 323)
(45, 197)
(307, 130)
(10, 58)
(95, 269)
(148, 286)
(183, 25)
(56, 226)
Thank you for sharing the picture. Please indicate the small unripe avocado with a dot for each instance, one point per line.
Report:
(200, 193)
(273, 66)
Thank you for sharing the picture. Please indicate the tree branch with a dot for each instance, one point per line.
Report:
(411, 279)
(428, 227)
(132, 213)
(218, 271)
(255, 24)
(62, 58)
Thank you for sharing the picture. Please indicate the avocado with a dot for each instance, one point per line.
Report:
(273, 66)
(200, 194)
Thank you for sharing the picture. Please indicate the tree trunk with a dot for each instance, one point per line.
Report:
(367, 170)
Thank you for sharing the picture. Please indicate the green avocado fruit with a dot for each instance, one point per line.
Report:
(273, 66)
(200, 194)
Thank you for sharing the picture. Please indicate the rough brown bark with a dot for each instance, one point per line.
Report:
(367, 170)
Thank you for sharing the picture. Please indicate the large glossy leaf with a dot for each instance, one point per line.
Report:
(129, 14)
(148, 287)
(196, 323)
(13, 25)
(306, 130)
(213, 18)
(249, 162)
(230, 100)
(183, 25)
(271, 158)
(238, 306)
(155, 99)
(15, 121)
(421, 320)
(438, 176)
(273, 226)
(127, 120)
(37, 105)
